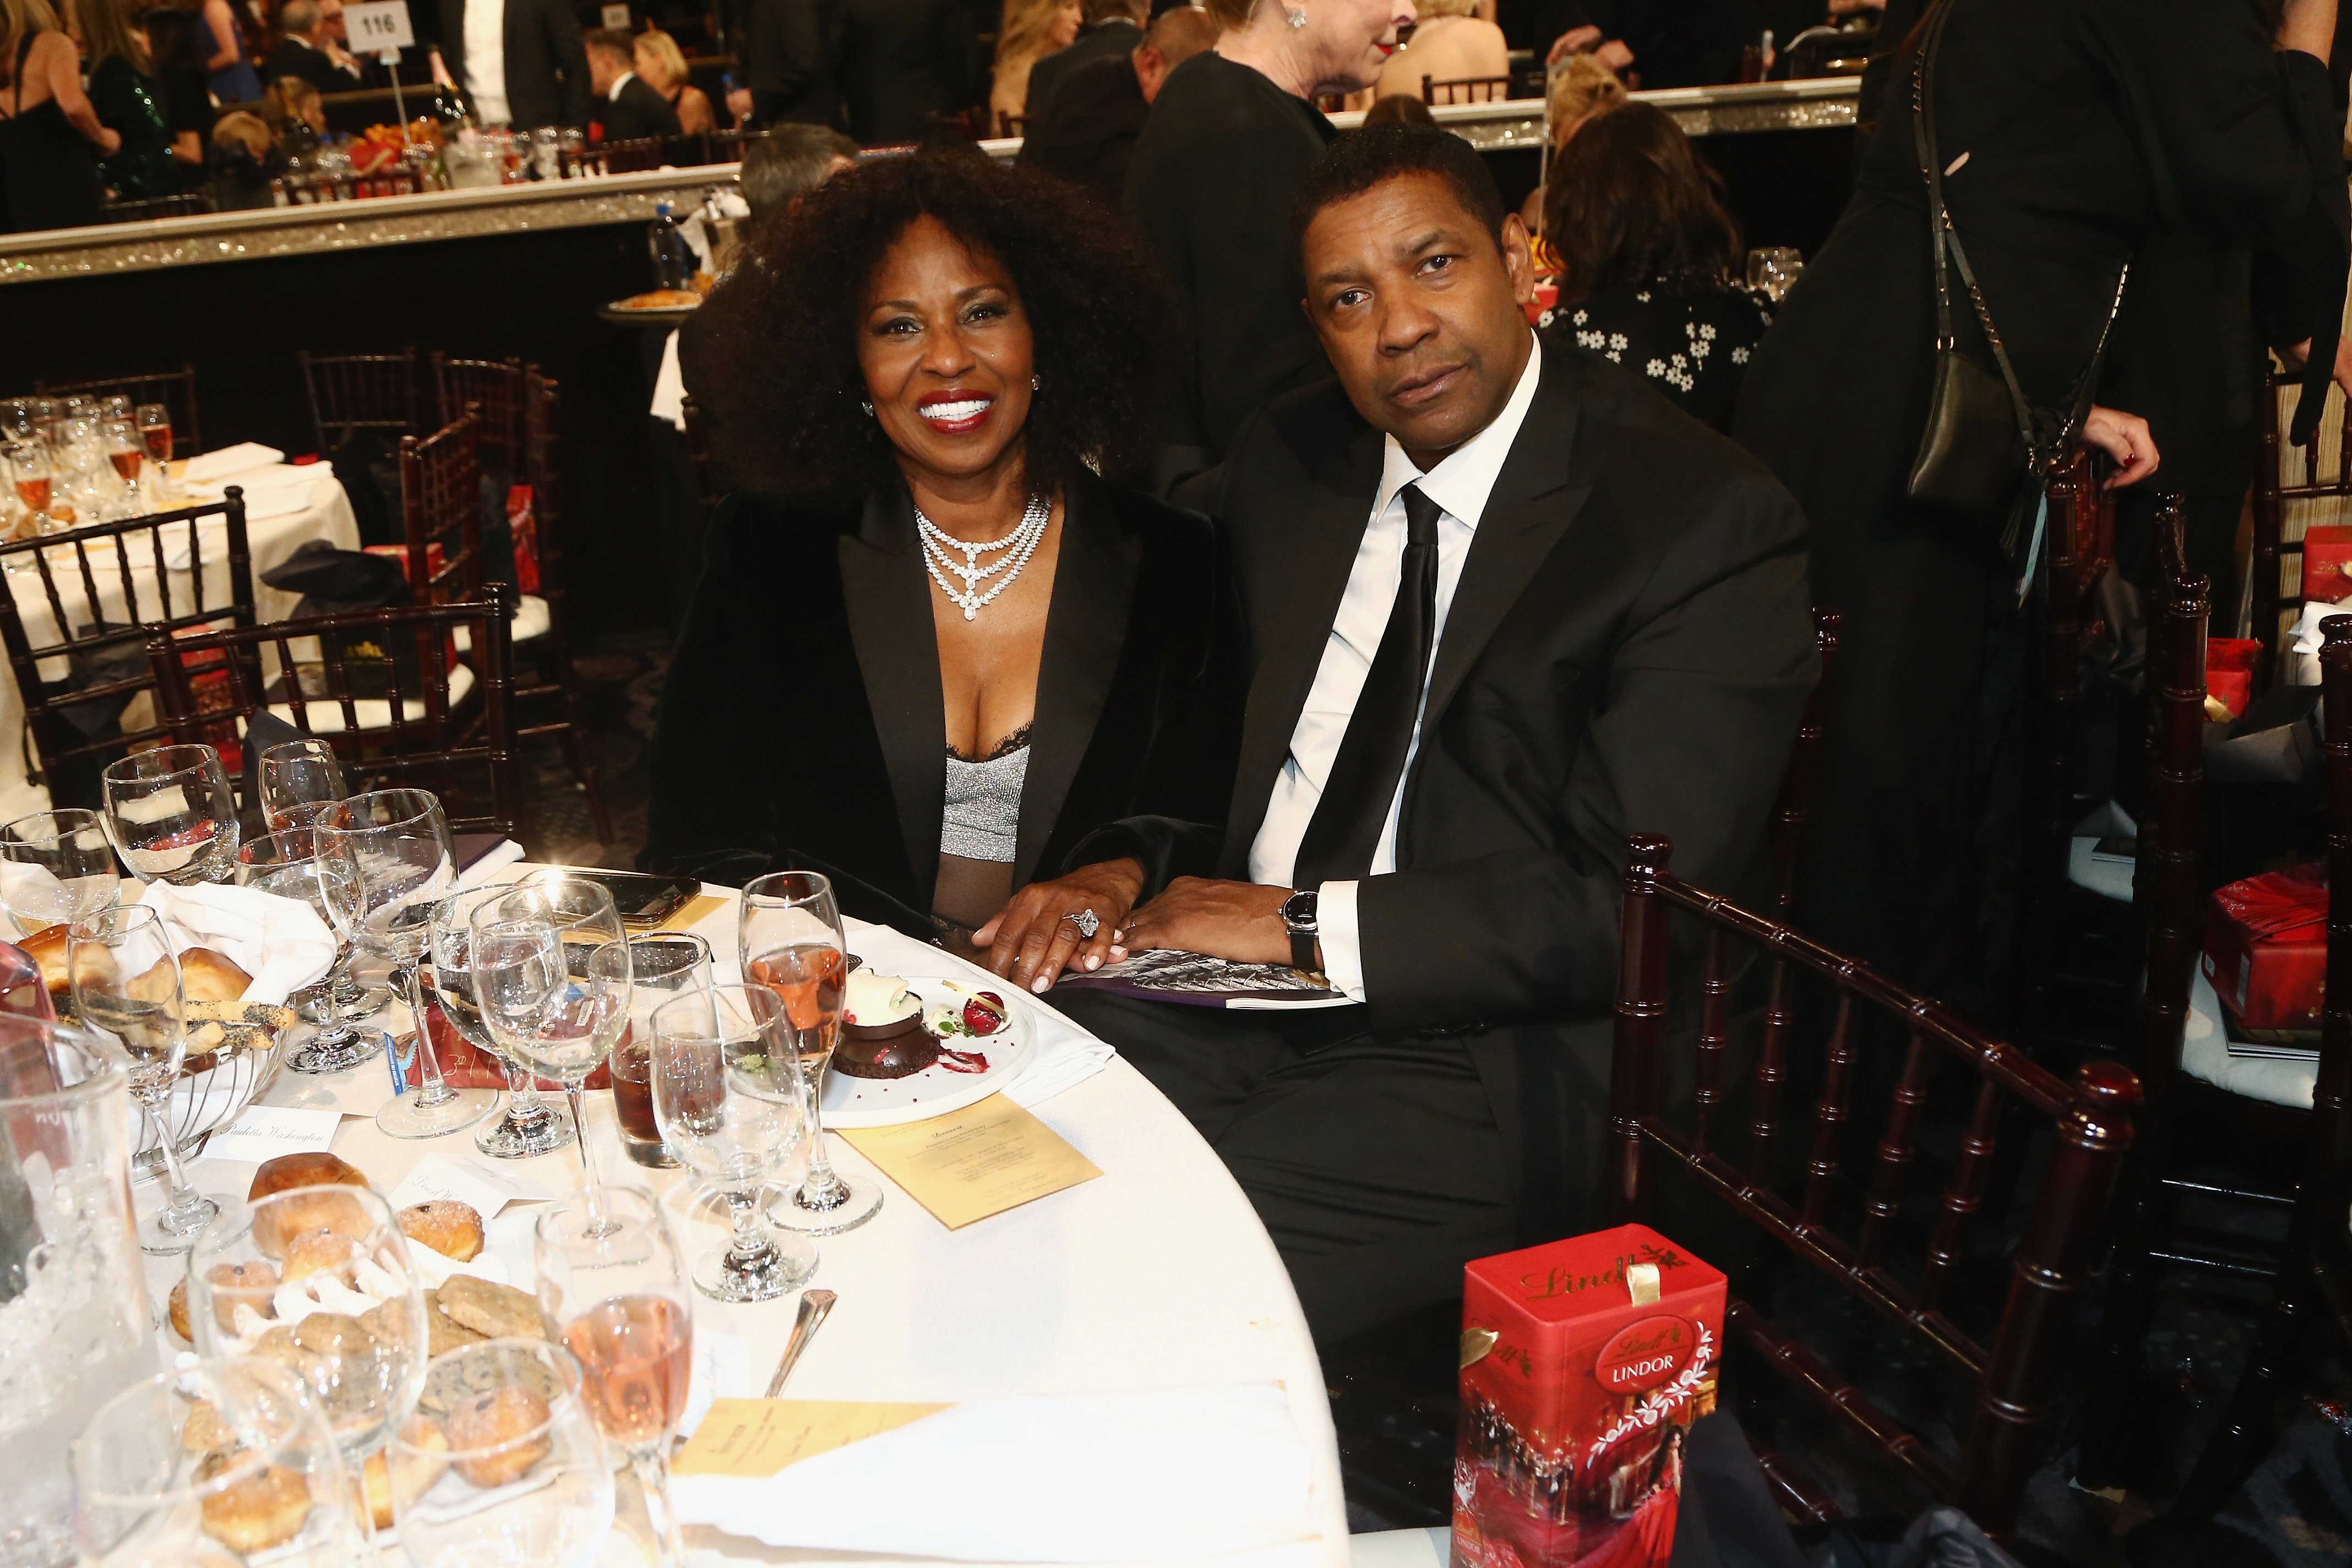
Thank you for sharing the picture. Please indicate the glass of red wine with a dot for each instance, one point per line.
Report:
(789, 936)
(172, 816)
(34, 475)
(613, 1283)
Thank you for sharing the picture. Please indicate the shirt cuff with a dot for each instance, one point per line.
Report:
(1343, 947)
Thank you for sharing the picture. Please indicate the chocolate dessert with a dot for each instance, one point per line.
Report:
(882, 1033)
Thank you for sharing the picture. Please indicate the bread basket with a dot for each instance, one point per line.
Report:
(233, 1054)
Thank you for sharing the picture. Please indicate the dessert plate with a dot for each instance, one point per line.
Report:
(942, 1086)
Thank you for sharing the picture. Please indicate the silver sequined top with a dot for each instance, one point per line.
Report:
(984, 806)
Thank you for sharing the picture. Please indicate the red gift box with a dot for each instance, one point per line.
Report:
(1577, 1386)
(464, 1066)
(522, 528)
(2327, 561)
(2266, 948)
(2230, 671)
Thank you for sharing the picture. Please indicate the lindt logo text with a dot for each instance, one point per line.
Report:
(1645, 1354)
(1546, 1284)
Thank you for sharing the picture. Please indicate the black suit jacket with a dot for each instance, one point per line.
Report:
(1117, 37)
(793, 61)
(1088, 130)
(902, 61)
(296, 59)
(640, 109)
(547, 69)
(1629, 650)
(802, 724)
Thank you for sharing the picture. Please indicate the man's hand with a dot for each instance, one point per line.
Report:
(1030, 941)
(2298, 356)
(739, 104)
(1239, 920)
(2126, 438)
(1615, 55)
(1575, 41)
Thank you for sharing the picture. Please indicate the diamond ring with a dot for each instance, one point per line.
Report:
(1087, 921)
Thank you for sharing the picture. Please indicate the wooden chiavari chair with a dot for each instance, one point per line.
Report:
(492, 390)
(174, 389)
(353, 393)
(2319, 486)
(1465, 89)
(627, 155)
(441, 511)
(1009, 124)
(557, 678)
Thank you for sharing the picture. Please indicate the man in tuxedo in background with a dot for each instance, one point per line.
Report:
(309, 51)
(792, 62)
(519, 61)
(627, 105)
(1088, 129)
(1509, 606)
(1107, 29)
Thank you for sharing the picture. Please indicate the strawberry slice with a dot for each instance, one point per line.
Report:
(984, 1013)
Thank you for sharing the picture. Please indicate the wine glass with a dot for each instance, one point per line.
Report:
(610, 1280)
(1772, 270)
(501, 1462)
(788, 933)
(298, 780)
(661, 965)
(550, 967)
(385, 859)
(288, 865)
(126, 986)
(119, 438)
(530, 1125)
(171, 816)
(54, 867)
(731, 1100)
(322, 1279)
(34, 475)
(155, 422)
(214, 1462)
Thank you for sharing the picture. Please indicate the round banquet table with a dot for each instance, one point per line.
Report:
(1154, 1275)
(270, 540)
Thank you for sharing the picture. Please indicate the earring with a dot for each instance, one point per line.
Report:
(1036, 383)
(869, 409)
(1293, 15)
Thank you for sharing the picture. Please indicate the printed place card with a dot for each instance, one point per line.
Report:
(438, 1176)
(754, 1439)
(976, 1161)
(265, 1131)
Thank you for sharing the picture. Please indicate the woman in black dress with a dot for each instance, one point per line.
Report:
(934, 651)
(50, 139)
(180, 74)
(1647, 258)
(129, 102)
(2070, 129)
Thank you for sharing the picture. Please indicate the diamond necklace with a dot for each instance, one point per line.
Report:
(1018, 546)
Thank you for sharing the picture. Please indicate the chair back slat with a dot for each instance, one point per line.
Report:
(1466, 89)
(174, 389)
(543, 428)
(1829, 1114)
(1789, 811)
(1895, 1152)
(1962, 1195)
(1714, 1039)
(441, 504)
(2170, 888)
(1771, 1075)
(351, 392)
(492, 390)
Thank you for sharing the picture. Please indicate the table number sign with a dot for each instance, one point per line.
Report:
(616, 18)
(379, 27)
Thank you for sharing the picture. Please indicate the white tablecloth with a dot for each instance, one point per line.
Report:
(271, 540)
(1155, 1275)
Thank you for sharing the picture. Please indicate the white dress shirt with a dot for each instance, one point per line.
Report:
(485, 61)
(1459, 484)
(623, 79)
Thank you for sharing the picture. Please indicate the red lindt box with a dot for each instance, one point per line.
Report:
(2230, 671)
(2327, 561)
(1576, 1393)
(2266, 947)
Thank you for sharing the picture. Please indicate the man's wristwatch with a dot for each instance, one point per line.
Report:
(1298, 919)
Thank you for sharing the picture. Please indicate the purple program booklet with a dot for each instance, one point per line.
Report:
(1193, 981)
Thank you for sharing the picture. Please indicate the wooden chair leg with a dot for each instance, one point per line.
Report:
(2129, 1307)
(2250, 1422)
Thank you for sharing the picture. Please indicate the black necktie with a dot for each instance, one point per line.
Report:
(1346, 828)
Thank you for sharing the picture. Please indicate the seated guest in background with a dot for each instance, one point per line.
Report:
(520, 61)
(1649, 261)
(290, 107)
(934, 651)
(1031, 30)
(1507, 608)
(1659, 43)
(792, 64)
(241, 159)
(50, 136)
(1580, 86)
(1107, 29)
(1088, 130)
(233, 78)
(790, 161)
(308, 52)
(129, 101)
(627, 105)
(1451, 42)
(659, 63)
(903, 64)
(179, 70)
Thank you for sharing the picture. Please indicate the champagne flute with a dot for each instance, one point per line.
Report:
(387, 863)
(611, 1280)
(551, 969)
(171, 816)
(730, 1098)
(288, 865)
(530, 1125)
(501, 1462)
(34, 475)
(126, 986)
(788, 933)
(54, 867)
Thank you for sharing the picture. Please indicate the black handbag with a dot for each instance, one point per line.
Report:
(1983, 440)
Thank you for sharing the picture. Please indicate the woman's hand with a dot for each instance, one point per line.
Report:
(1575, 41)
(109, 142)
(2126, 438)
(1032, 940)
(2298, 356)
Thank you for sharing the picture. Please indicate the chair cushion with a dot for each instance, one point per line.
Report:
(2108, 878)
(2205, 1055)
(326, 717)
(1422, 1548)
(531, 621)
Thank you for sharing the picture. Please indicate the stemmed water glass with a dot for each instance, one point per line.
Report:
(611, 1280)
(386, 861)
(509, 1469)
(126, 986)
(788, 937)
(288, 865)
(530, 1125)
(298, 781)
(171, 815)
(730, 1098)
(551, 969)
(56, 867)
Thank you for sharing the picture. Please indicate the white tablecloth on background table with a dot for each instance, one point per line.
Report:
(325, 515)
(1157, 1274)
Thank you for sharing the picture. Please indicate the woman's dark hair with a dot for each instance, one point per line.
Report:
(1628, 200)
(788, 389)
(172, 37)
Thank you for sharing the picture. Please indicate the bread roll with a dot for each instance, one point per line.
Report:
(307, 1170)
(46, 947)
(176, 1307)
(328, 1251)
(209, 976)
(316, 1205)
(410, 1475)
(491, 1436)
(259, 1509)
(450, 1228)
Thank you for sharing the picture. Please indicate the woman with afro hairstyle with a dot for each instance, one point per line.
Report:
(932, 651)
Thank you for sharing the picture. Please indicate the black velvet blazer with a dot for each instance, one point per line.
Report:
(802, 725)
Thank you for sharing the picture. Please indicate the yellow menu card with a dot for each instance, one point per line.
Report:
(691, 914)
(973, 1162)
(754, 1439)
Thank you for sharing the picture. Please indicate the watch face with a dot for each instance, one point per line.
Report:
(1298, 909)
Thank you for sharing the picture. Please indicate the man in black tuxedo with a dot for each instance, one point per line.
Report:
(309, 51)
(1509, 606)
(520, 61)
(627, 105)
(1087, 130)
(1107, 29)
(792, 64)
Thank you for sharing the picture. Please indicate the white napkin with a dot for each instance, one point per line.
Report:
(1158, 1475)
(260, 482)
(670, 385)
(281, 942)
(482, 872)
(2302, 659)
(209, 467)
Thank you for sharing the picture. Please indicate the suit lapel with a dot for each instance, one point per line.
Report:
(889, 603)
(1336, 509)
(1086, 630)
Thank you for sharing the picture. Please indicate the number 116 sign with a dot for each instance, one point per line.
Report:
(378, 27)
